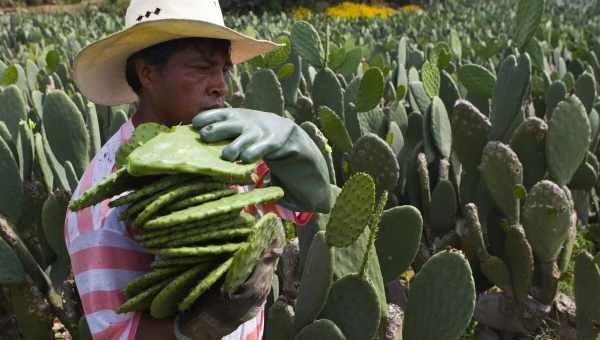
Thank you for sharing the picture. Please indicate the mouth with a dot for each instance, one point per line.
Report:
(212, 107)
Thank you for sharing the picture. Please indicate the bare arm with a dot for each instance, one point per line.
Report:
(155, 329)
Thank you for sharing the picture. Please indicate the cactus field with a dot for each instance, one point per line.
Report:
(462, 143)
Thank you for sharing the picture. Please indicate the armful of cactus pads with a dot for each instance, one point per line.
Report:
(219, 313)
(295, 161)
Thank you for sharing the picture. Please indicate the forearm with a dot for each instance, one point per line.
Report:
(155, 329)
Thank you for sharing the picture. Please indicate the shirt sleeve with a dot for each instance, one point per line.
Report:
(103, 261)
(262, 180)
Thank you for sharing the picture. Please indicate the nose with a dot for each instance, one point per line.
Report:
(217, 86)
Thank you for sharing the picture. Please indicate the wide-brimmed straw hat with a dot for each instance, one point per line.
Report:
(99, 69)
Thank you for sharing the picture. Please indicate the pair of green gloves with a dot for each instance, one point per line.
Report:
(297, 166)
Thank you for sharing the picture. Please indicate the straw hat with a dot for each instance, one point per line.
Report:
(99, 69)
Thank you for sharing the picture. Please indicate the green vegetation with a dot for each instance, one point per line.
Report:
(462, 142)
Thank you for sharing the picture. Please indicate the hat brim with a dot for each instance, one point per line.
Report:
(99, 69)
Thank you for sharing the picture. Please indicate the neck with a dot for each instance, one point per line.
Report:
(146, 113)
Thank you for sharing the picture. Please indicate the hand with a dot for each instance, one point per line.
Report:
(295, 161)
(217, 314)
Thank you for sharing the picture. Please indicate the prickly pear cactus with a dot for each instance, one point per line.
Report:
(441, 299)
(511, 88)
(398, 240)
(65, 130)
(316, 281)
(307, 43)
(587, 295)
(351, 211)
(529, 143)
(546, 219)
(503, 173)
(264, 92)
(566, 150)
(321, 329)
(353, 306)
(372, 155)
(470, 129)
(327, 91)
(181, 150)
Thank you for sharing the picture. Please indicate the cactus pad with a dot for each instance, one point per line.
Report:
(556, 92)
(512, 85)
(566, 150)
(148, 190)
(307, 43)
(496, 270)
(142, 300)
(264, 92)
(478, 80)
(334, 130)
(189, 189)
(155, 237)
(529, 143)
(587, 296)
(443, 208)
(204, 285)
(11, 200)
(470, 129)
(441, 132)
(546, 219)
(182, 151)
(65, 130)
(398, 240)
(280, 322)
(370, 91)
(214, 208)
(372, 155)
(245, 259)
(197, 200)
(430, 73)
(142, 134)
(327, 91)
(352, 210)
(585, 89)
(201, 251)
(321, 329)
(11, 271)
(216, 236)
(441, 299)
(316, 281)
(502, 172)
(139, 284)
(352, 305)
(165, 303)
(109, 186)
(519, 257)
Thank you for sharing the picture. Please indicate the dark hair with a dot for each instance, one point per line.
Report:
(158, 55)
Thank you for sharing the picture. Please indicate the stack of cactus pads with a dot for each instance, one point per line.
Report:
(177, 198)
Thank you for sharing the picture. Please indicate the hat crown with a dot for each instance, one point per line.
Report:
(140, 11)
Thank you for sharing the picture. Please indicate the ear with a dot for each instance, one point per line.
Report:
(145, 73)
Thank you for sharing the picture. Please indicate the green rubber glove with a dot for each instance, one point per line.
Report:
(295, 161)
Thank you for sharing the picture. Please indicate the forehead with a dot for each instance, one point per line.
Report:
(202, 51)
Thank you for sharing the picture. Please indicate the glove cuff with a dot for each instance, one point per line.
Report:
(177, 329)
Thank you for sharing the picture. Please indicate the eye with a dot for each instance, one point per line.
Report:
(201, 67)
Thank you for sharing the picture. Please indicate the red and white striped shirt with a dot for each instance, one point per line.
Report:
(105, 258)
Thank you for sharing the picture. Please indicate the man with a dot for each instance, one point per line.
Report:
(172, 59)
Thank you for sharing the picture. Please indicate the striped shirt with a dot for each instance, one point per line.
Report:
(105, 258)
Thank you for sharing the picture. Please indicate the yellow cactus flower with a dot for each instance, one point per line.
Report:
(350, 10)
(412, 9)
(301, 12)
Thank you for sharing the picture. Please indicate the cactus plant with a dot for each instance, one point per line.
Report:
(566, 150)
(264, 92)
(431, 299)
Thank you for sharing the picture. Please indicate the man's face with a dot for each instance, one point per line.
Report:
(191, 81)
